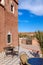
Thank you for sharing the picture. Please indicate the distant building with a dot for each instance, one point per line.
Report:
(25, 41)
(8, 23)
(26, 37)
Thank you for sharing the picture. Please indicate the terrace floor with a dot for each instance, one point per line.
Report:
(8, 60)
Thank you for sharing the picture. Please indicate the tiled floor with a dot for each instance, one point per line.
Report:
(8, 60)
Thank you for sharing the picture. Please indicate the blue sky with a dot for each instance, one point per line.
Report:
(30, 15)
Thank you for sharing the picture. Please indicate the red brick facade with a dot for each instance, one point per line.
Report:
(8, 23)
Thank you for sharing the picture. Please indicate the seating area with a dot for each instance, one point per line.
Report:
(10, 51)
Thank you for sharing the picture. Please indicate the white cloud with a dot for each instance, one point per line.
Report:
(34, 6)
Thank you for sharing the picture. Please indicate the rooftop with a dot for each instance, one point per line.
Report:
(8, 60)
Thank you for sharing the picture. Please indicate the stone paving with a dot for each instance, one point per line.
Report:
(32, 48)
(8, 60)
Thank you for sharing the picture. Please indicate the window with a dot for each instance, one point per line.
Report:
(12, 8)
(9, 38)
(29, 41)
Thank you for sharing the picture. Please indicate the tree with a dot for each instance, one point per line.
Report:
(39, 36)
(20, 35)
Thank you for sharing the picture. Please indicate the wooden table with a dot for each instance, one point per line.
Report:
(9, 51)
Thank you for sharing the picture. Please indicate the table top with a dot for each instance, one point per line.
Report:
(9, 47)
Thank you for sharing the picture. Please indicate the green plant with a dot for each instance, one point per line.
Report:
(39, 36)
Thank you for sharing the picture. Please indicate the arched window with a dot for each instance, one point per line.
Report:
(12, 8)
(9, 37)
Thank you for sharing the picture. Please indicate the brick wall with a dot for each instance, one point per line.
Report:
(2, 29)
(8, 23)
(8, 6)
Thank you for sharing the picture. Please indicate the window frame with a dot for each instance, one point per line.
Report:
(10, 38)
(12, 8)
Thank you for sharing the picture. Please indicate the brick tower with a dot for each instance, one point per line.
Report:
(8, 23)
